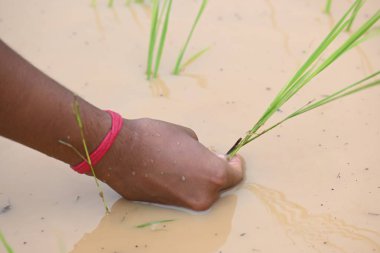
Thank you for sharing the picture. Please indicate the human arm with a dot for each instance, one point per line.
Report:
(150, 160)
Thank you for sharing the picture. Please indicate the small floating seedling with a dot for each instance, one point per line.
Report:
(178, 67)
(86, 158)
(79, 121)
(314, 65)
(151, 223)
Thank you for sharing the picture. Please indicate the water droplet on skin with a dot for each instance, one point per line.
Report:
(145, 175)
(68, 137)
(183, 178)
(178, 143)
(162, 173)
(133, 173)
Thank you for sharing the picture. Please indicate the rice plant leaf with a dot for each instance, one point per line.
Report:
(162, 40)
(354, 14)
(110, 3)
(161, 15)
(177, 67)
(153, 36)
(328, 6)
(148, 224)
(371, 34)
(193, 58)
(349, 90)
(7, 247)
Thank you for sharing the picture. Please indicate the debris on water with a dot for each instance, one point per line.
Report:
(338, 176)
(374, 214)
(242, 234)
(6, 208)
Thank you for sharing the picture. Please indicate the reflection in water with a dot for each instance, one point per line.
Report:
(116, 15)
(201, 80)
(189, 233)
(323, 232)
(159, 88)
(365, 61)
(285, 35)
(147, 9)
(135, 16)
(98, 21)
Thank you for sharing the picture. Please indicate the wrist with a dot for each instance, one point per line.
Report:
(96, 125)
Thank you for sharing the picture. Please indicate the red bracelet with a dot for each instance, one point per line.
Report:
(104, 146)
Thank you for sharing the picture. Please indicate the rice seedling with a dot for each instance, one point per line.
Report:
(154, 33)
(6, 245)
(328, 6)
(110, 3)
(148, 224)
(178, 67)
(86, 158)
(314, 65)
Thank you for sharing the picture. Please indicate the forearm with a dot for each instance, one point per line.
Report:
(37, 112)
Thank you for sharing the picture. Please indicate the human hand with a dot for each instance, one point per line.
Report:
(160, 162)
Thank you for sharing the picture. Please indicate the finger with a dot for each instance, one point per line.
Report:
(234, 170)
(190, 132)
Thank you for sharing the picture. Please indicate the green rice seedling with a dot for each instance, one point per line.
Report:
(178, 67)
(78, 118)
(328, 6)
(148, 224)
(314, 65)
(110, 3)
(6, 245)
(152, 71)
(354, 14)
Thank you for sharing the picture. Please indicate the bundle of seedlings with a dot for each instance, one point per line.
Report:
(315, 64)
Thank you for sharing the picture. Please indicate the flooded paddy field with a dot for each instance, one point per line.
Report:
(311, 185)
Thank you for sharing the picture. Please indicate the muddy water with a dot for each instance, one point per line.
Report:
(312, 185)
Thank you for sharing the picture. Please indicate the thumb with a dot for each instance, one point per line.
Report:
(234, 169)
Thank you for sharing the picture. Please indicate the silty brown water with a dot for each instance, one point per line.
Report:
(312, 185)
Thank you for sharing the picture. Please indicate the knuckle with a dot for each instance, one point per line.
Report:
(219, 178)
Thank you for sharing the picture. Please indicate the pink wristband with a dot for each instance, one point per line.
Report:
(104, 146)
